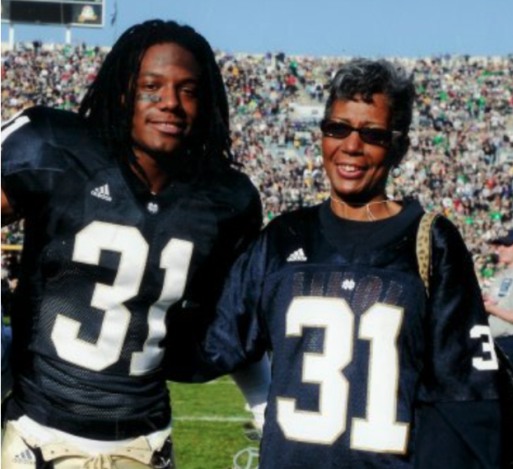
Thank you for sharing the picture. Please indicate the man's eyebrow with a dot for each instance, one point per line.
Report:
(150, 74)
(160, 75)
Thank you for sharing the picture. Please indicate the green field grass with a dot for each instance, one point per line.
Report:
(208, 424)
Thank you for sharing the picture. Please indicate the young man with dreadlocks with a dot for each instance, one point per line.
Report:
(133, 213)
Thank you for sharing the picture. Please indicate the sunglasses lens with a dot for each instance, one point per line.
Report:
(376, 136)
(335, 129)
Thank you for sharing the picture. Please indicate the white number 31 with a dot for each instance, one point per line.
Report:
(379, 431)
(129, 242)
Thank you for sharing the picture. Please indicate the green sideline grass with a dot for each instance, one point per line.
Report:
(207, 425)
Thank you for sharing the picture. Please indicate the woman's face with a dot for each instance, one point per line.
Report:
(357, 170)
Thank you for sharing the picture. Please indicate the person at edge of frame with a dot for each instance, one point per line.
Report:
(371, 369)
(499, 299)
(134, 209)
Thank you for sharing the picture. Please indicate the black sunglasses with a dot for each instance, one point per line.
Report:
(372, 136)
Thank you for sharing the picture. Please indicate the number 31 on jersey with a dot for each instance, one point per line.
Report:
(129, 242)
(379, 430)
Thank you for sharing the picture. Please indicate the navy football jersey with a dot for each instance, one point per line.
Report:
(112, 276)
(356, 341)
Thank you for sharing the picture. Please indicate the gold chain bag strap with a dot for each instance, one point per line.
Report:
(424, 250)
(423, 247)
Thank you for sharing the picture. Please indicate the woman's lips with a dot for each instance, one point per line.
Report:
(349, 171)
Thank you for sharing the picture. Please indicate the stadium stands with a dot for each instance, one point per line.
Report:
(460, 162)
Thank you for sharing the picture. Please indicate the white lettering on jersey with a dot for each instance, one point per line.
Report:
(488, 347)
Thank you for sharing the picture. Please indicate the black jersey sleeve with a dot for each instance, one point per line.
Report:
(183, 359)
(237, 334)
(33, 148)
(459, 434)
(249, 221)
(460, 361)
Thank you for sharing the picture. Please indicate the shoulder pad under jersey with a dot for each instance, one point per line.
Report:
(28, 137)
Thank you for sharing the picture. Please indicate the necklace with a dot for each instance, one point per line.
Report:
(367, 206)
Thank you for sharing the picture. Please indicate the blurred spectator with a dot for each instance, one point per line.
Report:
(499, 300)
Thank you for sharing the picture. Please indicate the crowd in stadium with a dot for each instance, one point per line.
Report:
(460, 162)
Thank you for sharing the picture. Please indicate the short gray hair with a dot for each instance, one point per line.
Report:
(365, 78)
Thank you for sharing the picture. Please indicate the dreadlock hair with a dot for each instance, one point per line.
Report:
(362, 78)
(109, 103)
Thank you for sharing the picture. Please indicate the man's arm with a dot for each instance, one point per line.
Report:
(253, 381)
(494, 309)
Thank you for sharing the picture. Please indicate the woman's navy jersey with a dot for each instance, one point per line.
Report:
(357, 344)
(112, 277)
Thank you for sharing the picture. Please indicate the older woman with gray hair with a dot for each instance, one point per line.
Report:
(372, 366)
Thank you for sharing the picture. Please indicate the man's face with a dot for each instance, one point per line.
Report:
(167, 100)
(505, 254)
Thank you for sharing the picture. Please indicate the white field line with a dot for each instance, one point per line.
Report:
(212, 418)
(221, 381)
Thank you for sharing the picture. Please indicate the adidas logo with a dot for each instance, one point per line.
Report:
(297, 256)
(102, 192)
(25, 457)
